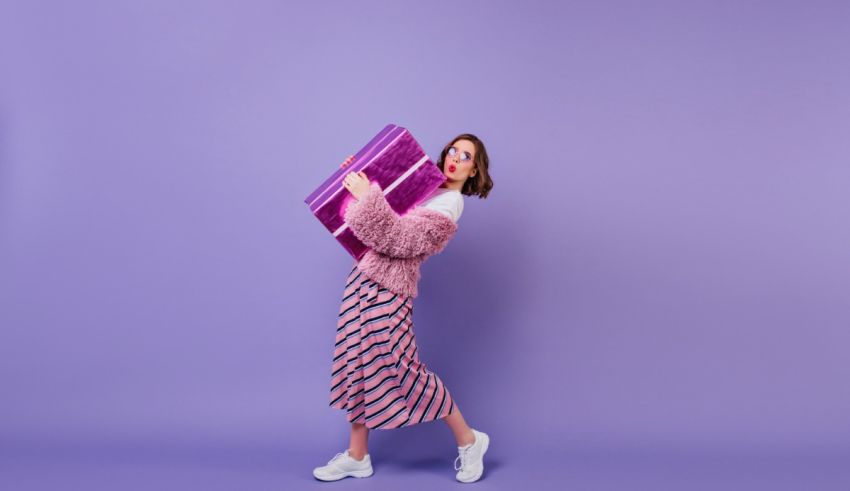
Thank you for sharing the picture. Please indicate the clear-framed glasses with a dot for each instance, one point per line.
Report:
(464, 156)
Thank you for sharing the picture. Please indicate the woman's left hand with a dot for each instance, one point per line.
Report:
(357, 183)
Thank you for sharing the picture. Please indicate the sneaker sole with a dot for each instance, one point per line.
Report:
(484, 451)
(337, 477)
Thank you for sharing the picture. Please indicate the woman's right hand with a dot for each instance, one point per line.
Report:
(346, 161)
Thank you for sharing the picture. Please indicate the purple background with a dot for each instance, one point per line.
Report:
(655, 296)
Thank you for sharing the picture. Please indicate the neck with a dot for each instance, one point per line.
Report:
(454, 185)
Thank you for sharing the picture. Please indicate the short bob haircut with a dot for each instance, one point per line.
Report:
(480, 184)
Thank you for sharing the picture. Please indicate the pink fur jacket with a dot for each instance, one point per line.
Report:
(397, 244)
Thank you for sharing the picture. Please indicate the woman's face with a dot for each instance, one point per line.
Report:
(459, 164)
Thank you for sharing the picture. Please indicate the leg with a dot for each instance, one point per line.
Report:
(463, 434)
(359, 441)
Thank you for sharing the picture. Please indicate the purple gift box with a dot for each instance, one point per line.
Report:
(397, 163)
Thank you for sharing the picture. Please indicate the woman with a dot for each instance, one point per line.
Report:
(377, 376)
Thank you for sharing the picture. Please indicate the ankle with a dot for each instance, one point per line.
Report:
(357, 455)
(466, 439)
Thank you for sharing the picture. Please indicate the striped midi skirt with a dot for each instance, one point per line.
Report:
(376, 374)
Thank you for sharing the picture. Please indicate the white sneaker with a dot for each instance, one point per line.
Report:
(472, 458)
(343, 465)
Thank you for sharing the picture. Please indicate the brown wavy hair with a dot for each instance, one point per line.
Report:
(481, 183)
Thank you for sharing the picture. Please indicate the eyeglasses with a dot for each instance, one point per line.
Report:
(464, 156)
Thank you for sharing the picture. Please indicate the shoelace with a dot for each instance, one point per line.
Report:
(463, 453)
(335, 457)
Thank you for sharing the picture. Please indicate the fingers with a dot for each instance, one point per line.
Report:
(349, 179)
(354, 176)
(347, 161)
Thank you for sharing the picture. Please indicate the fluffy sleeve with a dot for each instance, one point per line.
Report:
(379, 227)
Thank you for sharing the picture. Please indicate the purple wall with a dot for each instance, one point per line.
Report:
(663, 262)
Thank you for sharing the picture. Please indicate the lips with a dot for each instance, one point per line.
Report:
(452, 168)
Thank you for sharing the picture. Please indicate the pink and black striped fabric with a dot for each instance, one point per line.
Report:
(377, 377)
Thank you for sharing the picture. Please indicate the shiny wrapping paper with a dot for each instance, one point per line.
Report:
(393, 159)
